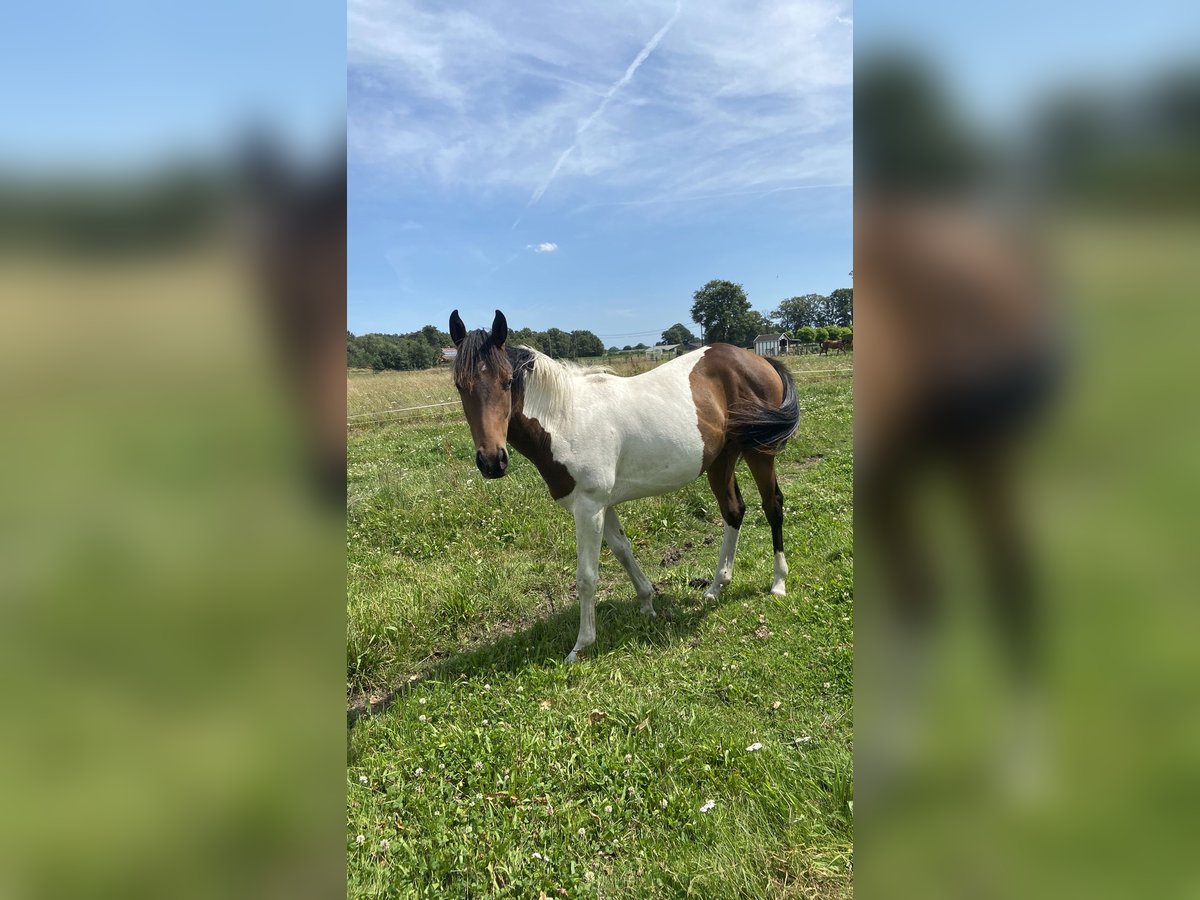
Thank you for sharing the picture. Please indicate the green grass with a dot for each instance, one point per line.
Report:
(461, 608)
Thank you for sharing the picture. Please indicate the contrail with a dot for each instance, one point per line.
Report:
(609, 94)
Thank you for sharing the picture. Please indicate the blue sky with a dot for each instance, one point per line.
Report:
(126, 84)
(1002, 59)
(591, 167)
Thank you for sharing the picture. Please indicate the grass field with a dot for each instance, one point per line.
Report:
(490, 768)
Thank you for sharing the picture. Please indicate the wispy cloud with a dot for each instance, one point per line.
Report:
(544, 247)
(719, 99)
(607, 98)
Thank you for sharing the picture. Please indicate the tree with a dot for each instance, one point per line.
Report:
(613, 350)
(795, 313)
(754, 324)
(640, 347)
(584, 343)
(721, 308)
(677, 334)
(434, 337)
(841, 302)
(525, 337)
(556, 343)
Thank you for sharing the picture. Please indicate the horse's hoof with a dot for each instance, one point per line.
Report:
(649, 612)
(779, 590)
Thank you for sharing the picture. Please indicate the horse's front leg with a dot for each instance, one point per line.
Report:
(589, 531)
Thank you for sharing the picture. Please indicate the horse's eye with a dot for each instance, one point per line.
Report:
(506, 384)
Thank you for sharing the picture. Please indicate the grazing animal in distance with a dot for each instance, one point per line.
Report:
(599, 439)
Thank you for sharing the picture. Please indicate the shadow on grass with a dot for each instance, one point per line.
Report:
(545, 642)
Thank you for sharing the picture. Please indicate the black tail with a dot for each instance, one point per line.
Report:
(756, 426)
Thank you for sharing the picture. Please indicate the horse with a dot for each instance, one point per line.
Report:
(598, 439)
(826, 346)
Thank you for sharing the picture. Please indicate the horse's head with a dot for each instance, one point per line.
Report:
(483, 375)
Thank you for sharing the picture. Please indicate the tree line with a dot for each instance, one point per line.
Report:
(720, 308)
(422, 349)
(723, 310)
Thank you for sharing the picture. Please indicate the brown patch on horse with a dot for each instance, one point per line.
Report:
(725, 378)
(534, 443)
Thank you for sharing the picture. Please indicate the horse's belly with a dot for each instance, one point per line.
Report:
(650, 468)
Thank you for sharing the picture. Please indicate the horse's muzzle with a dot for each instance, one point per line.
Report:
(493, 466)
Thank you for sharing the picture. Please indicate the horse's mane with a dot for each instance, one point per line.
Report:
(550, 385)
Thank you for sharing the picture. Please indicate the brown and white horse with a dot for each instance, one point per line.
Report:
(598, 440)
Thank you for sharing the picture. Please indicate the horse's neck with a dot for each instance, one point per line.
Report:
(534, 442)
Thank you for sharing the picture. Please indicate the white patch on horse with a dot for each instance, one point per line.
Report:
(724, 573)
(779, 587)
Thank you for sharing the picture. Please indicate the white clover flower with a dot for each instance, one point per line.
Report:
(478, 765)
(362, 779)
(421, 718)
(419, 771)
(755, 747)
(360, 840)
(384, 844)
(608, 809)
(422, 701)
(628, 757)
(662, 804)
(708, 805)
(583, 832)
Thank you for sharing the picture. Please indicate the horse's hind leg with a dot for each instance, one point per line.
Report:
(733, 510)
(615, 537)
(762, 467)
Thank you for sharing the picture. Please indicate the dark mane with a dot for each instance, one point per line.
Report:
(477, 350)
(521, 360)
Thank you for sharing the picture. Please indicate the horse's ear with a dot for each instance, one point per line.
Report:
(499, 329)
(458, 330)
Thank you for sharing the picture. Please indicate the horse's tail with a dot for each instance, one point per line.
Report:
(764, 428)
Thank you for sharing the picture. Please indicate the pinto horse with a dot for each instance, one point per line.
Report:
(598, 440)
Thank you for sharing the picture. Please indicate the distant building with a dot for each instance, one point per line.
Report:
(771, 344)
(449, 354)
(658, 352)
